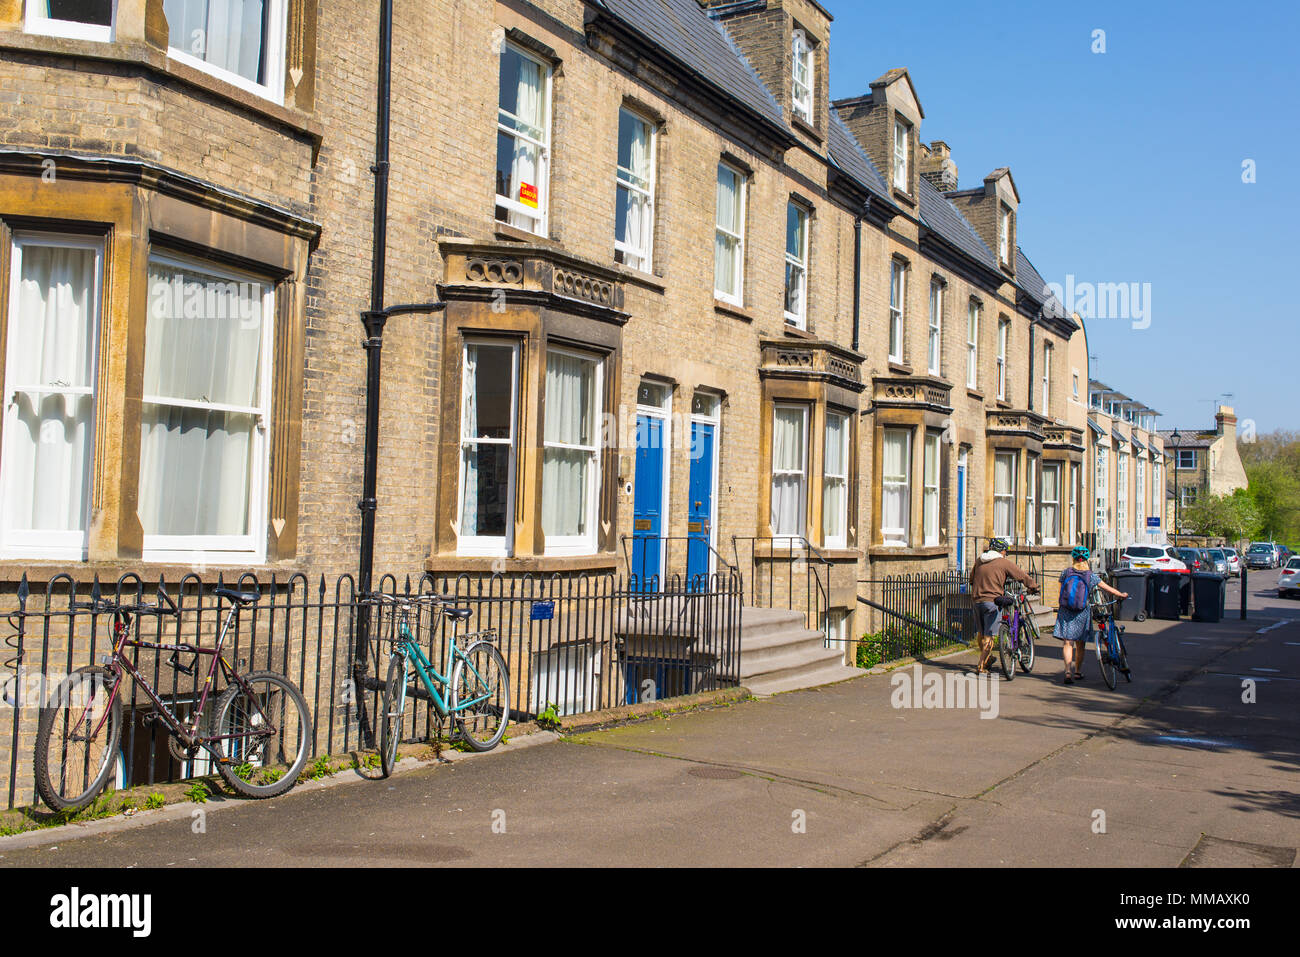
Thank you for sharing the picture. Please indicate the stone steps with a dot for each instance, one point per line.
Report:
(779, 653)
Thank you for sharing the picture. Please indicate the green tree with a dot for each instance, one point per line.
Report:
(1234, 517)
(1272, 464)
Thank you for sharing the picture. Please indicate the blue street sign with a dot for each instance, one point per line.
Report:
(1153, 521)
(543, 610)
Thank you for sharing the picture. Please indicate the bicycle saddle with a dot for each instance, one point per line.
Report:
(1004, 601)
(459, 614)
(242, 597)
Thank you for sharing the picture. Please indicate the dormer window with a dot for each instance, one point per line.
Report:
(802, 86)
(901, 134)
(1004, 236)
(76, 19)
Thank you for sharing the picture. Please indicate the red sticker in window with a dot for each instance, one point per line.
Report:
(528, 194)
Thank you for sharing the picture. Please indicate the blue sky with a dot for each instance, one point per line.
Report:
(1129, 167)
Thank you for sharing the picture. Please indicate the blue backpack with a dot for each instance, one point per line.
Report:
(1074, 591)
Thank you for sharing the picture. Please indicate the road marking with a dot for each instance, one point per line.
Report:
(1184, 739)
(1269, 670)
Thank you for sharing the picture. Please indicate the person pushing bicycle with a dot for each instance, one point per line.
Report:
(988, 582)
(1073, 617)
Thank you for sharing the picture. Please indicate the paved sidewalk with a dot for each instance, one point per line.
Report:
(1181, 768)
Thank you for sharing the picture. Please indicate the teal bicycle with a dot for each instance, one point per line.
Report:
(477, 693)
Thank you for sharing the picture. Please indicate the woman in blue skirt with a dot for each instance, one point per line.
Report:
(1073, 627)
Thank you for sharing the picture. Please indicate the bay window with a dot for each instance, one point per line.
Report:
(802, 78)
(934, 343)
(634, 200)
(729, 242)
(76, 19)
(1141, 519)
(1102, 510)
(896, 486)
(239, 41)
(54, 316)
(1004, 494)
(1073, 531)
(796, 265)
(897, 293)
(571, 454)
(789, 469)
(205, 409)
(1047, 378)
(1121, 492)
(930, 493)
(835, 482)
(972, 345)
(1051, 508)
(489, 411)
(523, 140)
(1031, 501)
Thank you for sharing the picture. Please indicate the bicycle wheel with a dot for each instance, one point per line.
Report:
(1006, 654)
(393, 719)
(1121, 658)
(77, 739)
(1027, 637)
(263, 735)
(480, 696)
(1109, 673)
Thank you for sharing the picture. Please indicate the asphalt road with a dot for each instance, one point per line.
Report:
(1174, 768)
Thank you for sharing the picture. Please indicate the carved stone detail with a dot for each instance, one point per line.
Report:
(577, 286)
(507, 272)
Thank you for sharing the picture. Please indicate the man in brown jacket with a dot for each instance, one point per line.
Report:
(988, 580)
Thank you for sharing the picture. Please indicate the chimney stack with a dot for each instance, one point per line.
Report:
(937, 166)
(1225, 422)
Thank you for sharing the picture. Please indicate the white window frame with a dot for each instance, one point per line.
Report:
(1004, 234)
(626, 179)
(897, 308)
(565, 675)
(1031, 500)
(802, 472)
(489, 545)
(972, 345)
(47, 26)
(1004, 336)
(1101, 488)
(1073, 531)
(1140, 516)
(231, 548)
(542, 213)
(1008, 497)
(933, 455)
(1051, 530)
(841, 540)
(902, 148)
(29, 543)
(1183, 456)
(802, 55)
(891, 535)
(1047, 378)
(277, 40)
(736, 298)
(1121, 491)
(934, 343)
(800, 266)
(580, 544)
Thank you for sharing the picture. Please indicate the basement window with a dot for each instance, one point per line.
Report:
(75, 19)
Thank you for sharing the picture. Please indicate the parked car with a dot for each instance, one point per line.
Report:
(1261, 555)
(1289, 581)
(1219, 560)
(1193, 559)
(1234, 562)
(1161, 558)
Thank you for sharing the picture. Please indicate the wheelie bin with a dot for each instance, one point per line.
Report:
(1166, 595)
(1137, 583)
(1210, 593)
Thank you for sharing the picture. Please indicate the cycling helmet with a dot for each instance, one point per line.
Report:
(999, 545)
(1080, 554)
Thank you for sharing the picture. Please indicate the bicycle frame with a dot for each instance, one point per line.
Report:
(120, 664)
(423, 667)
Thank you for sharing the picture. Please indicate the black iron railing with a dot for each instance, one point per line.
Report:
(916, 615)
(785, 571)
(573, 644)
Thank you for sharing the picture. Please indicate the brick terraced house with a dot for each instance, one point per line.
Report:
(696, 312)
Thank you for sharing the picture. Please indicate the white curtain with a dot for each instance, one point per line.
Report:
(726, 274)
(634, 157)
(523, 98)
(788, 446)
(1003, 493)
(835, 492)
(51, 375)
(930, 505)
(570, 420)
(469, 430)
(1051, 501)
(895, 476)
(203, 344)
(226, 33)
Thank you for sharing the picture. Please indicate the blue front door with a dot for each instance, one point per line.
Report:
(648, 504)
(961, 517)
(699, 516)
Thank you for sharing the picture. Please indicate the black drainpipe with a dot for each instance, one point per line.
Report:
(1032, 324)
(857, 274)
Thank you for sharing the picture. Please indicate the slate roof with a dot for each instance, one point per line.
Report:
(1189, 441)
(847, 153)
(1035, 286)
(940, 215)
(685, 32)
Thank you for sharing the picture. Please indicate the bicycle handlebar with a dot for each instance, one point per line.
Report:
(165, 606)
(405, 601)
